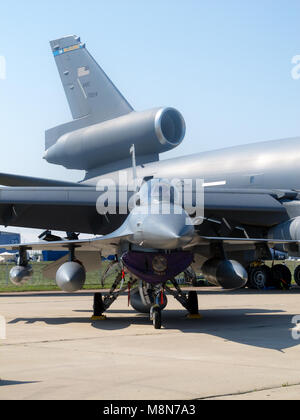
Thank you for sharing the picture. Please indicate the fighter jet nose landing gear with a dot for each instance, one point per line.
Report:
(156, 309)
(156, 317)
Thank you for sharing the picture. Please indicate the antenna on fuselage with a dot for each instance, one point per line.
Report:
(133, 155)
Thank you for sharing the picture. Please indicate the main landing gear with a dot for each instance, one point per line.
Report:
(297, 275)
(261, 276)
(101, 305)
(188, 300)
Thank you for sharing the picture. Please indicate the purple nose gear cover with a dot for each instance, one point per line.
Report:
(141, 265)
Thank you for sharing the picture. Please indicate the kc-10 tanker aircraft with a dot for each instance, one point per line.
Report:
(245, 209)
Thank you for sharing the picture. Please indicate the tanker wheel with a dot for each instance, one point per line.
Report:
(193, 306)
(156, 317)
(297, 275)
(259, 277)
(281, 277)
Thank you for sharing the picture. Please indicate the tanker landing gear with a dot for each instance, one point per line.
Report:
(188, 301)
(281, 277)
(261, 277)
(297, 275)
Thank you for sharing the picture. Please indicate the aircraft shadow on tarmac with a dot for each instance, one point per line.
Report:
(270, 329)
(11, 383)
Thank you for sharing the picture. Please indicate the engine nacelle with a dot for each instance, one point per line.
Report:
(20, 275)
(152, 132)
(288, 231)
(228, 274)
(71, 277)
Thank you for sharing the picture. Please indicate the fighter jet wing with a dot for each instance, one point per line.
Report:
(107, 245)
(110, 242)
(69, 209)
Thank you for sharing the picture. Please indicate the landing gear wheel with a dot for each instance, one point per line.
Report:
(281, 277)
(259, 277)
(297, 275)
(156, 317)
(98, 307)
(193, 306)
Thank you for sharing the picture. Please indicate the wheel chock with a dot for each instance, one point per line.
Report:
(194, 316)
(99, 318)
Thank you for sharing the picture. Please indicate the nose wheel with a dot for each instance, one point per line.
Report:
(155, 316)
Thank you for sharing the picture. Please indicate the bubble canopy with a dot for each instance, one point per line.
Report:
(159, 191)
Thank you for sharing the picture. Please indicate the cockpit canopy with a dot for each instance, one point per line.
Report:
(158, 191)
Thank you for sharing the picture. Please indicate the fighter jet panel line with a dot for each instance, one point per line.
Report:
(250, 206)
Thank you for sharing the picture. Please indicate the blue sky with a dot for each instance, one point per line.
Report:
(226, 65)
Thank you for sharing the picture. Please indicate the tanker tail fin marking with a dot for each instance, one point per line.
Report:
(87, 87)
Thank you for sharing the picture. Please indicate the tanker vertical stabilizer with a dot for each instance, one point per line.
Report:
(91, 95)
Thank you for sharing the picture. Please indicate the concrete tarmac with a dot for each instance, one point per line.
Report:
(242, 348)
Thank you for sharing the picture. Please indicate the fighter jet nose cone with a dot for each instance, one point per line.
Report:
(167, 231)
